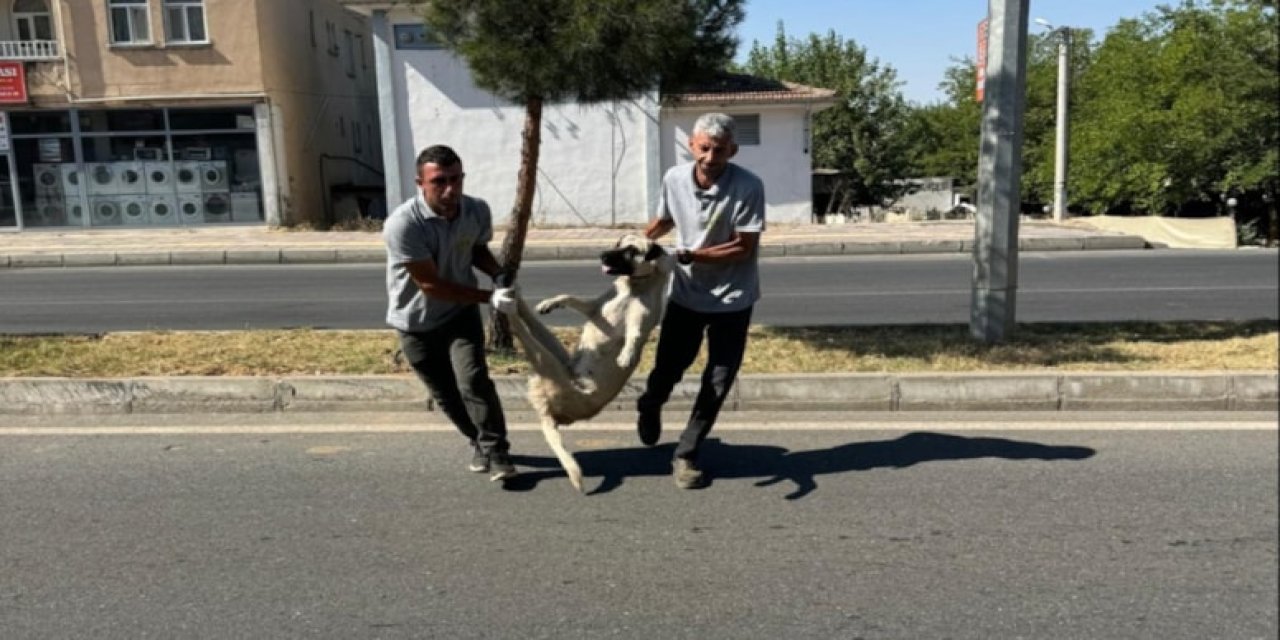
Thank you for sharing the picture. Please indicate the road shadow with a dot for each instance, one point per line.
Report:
(772, 465)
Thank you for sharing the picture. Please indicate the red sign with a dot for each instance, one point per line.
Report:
(982, 58)
(13, 82)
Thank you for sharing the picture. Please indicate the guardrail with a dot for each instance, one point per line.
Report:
(29, 50)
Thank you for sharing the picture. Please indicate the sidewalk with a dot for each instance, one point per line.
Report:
(261, 245)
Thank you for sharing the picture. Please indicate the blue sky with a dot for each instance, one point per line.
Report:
(918, 38)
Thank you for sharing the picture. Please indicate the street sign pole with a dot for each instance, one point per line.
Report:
(995, 250)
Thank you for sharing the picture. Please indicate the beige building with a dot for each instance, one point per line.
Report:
(182, 112)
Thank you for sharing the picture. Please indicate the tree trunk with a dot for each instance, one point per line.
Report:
(500, 338)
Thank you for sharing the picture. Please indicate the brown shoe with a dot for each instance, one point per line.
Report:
(687, 474)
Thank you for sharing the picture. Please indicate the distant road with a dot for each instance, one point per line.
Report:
(1093, 286)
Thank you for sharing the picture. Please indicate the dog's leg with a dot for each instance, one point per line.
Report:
(551, 431)
(546, 355)
(586, 308)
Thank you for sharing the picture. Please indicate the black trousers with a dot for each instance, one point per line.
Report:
(450, 361)
(678, 344)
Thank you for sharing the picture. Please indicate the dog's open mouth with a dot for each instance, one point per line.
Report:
(613, 270)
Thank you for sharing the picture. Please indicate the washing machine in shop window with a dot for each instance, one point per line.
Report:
(217, 207)
(246, 207)
(49, 212)
(102, 178)
(71, 178)
(75, 211)
(133, 210)
(48, 179)
(130, 177)
(213, 176)
(190, 209)
(162, 210)
(158, 177)
(106, 212)
(186, 176)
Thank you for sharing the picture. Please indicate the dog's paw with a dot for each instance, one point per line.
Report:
(626, 359)
(547, 306)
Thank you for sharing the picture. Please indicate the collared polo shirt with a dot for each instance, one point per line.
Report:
(412, 233)
(708, 217)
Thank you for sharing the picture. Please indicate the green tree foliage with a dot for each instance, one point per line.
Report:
(943, 137)
(865, 133)
(1175, 107)
(537, 51)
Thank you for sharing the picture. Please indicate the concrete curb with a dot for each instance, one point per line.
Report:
(1015, 391)
(542, 251)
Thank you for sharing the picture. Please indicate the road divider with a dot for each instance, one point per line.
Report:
(1014, 391)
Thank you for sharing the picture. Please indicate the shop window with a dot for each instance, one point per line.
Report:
(24, 122)
(111, 120)
(184, 22)
(130, 21)
(32, 20)
(211, 119)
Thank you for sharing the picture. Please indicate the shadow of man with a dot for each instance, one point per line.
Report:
(802, 467)
(776, 464)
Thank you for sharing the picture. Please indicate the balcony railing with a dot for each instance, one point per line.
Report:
(29, 50)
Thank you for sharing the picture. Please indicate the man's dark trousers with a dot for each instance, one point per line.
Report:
(449, 359)
(678, 345)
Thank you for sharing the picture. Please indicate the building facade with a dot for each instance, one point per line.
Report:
(599, 164)
(161, 113)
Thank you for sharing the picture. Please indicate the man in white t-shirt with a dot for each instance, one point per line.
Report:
(717, 211)
(435, 241)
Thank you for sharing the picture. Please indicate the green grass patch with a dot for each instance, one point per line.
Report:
(1138, 346)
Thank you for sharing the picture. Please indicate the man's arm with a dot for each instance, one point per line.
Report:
(739, 247)
(659, 227)
(484, 260)
(427, 277)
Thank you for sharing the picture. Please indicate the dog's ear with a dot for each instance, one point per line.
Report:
(654, 252)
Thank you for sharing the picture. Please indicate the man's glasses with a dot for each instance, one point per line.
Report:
(453, 180)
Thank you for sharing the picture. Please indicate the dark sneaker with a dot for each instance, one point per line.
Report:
(479, 459)
(688, 474)
(649, 427)
(500, 466)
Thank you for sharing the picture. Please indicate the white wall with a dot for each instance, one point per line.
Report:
(593, 167)
(781, 159)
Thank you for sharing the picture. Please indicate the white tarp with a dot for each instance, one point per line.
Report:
(1175, 233)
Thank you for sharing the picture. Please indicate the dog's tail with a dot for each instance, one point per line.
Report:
(552, 434)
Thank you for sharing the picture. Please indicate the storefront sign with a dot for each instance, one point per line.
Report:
(981, 65)
(13, 82)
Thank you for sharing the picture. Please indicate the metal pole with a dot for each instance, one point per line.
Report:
(1061, 151)
(995, 247)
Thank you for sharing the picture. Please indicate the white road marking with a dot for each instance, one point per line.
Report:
(933, 425)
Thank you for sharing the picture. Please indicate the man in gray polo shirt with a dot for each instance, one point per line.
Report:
(434, 241)
(717, 211)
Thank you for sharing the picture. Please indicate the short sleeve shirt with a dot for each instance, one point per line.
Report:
(707, 217)
(412, 233)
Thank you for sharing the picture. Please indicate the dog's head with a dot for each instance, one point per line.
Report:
(636, 257)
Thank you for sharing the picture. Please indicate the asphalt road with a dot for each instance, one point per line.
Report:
(888, 532)
(1054, 286)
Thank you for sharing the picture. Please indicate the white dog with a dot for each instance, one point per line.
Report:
(565, 388)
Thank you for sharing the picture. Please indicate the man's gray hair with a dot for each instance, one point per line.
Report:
(716, 125)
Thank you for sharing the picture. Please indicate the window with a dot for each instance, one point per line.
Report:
(184, 21)
(311, 18)
(748, 126)
(332, 33)
(32, 20)
(349, 40)
(414, 36)
(130, 21)
(364, 59)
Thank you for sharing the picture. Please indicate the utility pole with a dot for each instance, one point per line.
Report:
(1061, 150)
(995, 250)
